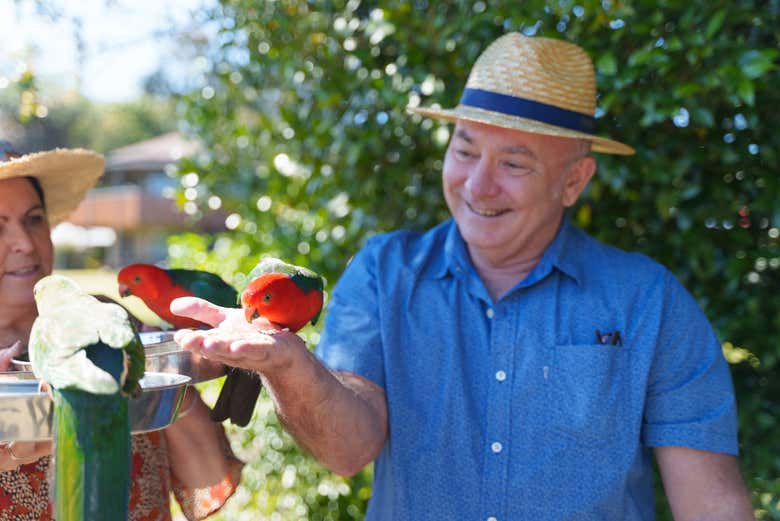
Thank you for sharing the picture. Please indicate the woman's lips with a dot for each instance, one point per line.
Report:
(23, 272)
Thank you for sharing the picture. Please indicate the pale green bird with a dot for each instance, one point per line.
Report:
(92, 357)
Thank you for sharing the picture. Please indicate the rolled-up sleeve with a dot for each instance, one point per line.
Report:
(352, 338)
(690, 397)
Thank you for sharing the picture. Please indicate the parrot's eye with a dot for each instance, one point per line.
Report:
(137, 279)
(267, 297)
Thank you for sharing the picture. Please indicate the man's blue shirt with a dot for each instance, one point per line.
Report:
(518, 409)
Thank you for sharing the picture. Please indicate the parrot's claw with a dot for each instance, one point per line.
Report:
(272, 332)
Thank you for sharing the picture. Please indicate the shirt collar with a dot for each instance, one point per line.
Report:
(454, 258)
(562, 254)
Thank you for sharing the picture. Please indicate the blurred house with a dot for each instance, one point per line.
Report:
(129, 215)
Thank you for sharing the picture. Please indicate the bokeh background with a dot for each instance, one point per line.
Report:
(285, 132)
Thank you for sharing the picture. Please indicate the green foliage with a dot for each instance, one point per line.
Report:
(280, 482)
(48, 121)
(309, 146)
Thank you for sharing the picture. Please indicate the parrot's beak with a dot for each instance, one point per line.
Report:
(251, 313)
(124, 290)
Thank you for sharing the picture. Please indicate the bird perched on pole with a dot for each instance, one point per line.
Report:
(93, 360)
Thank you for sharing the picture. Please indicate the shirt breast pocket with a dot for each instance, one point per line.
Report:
(585, 384)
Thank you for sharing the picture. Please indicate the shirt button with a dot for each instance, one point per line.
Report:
(491, 518)
(490, 312)
(496, 447)
(500, 376)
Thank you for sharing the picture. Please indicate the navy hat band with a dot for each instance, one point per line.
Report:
(7, 151)
(524, 108)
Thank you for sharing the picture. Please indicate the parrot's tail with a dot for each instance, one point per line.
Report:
(238, 397)
(91, 456)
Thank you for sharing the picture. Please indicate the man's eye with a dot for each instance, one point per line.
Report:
(463, 154)
(516, 168)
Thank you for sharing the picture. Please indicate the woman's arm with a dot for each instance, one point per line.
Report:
(196, 446)
(204, 470)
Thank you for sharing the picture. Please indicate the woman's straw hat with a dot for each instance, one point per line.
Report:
(65, 175)
(538, 85)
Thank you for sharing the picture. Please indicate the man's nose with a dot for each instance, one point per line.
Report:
(480, 182)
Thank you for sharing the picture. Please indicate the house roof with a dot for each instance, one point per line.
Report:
(151, 155)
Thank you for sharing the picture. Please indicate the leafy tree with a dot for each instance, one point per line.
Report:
(308, 146)
(70, 120)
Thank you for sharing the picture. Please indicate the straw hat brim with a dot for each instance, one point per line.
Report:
(65, 176)
(478, 115)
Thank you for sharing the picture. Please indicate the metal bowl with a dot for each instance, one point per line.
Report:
(163, 355)
(25, 411)
(168, 357)
(149, 338)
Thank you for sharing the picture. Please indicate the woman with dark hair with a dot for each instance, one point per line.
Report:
(191, 458)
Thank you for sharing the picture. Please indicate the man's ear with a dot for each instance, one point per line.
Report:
(577, 179)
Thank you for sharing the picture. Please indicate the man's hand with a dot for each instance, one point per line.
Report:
(702, 485)
(234, 341)
(341, 418)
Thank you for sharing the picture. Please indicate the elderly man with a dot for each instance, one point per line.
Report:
(504, 365)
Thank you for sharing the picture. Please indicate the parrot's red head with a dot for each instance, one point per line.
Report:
(276, 297)
(142, 280)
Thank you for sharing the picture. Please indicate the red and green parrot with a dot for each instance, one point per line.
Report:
(158, 287)
(289, 297)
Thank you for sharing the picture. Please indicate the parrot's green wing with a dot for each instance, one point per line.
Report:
(207, 286)
(304, 278)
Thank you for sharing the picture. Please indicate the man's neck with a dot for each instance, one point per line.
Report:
(498, 279)
(502, 270)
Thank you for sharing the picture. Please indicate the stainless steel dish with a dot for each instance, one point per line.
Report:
(163, 355)
(168, 357)
(25, 411)
(149, 338)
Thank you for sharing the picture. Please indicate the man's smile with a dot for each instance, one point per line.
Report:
(487, 212)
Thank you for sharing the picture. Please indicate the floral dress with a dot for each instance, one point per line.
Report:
(25, 493)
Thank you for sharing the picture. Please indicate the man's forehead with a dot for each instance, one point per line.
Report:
(511, 140)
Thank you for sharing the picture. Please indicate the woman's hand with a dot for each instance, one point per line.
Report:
(7, 353)
(17, 453)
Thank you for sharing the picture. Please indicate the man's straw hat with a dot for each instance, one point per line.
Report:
(538, 85)
(65, 175)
